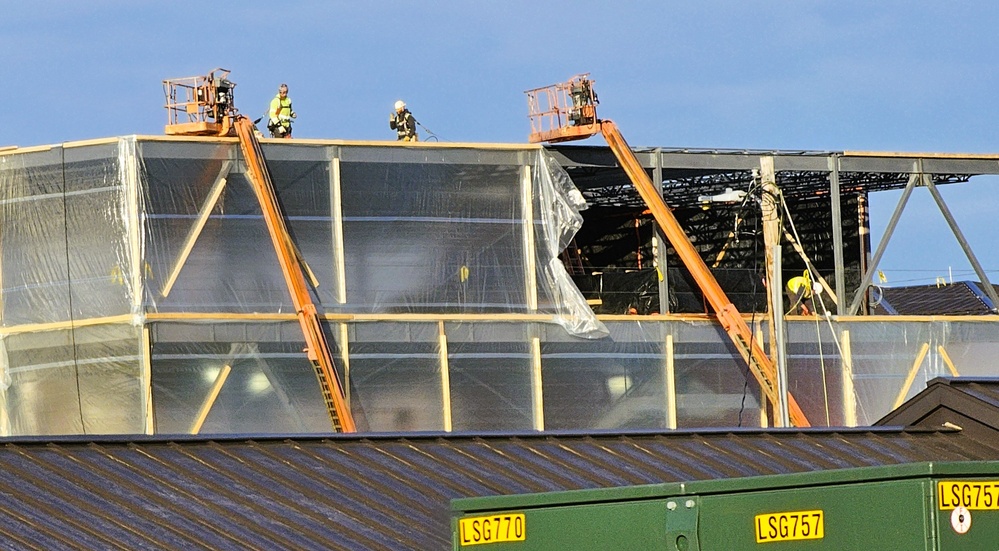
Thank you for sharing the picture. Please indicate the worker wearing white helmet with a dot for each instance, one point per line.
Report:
(403, 122)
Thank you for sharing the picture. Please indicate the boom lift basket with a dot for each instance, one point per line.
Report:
(567, 111)
(201, 105)
(564, 111)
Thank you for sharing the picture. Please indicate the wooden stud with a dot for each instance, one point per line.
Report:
(210, 399)
(912, 375)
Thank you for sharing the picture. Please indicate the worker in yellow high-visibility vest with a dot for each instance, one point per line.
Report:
(799, 291)
(280, 114)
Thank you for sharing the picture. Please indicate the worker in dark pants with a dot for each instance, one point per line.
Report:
(799, 291)
(403, 122)
(280, 114)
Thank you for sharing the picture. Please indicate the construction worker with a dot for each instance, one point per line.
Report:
(799, 291)
(280, 114)
(403, 122)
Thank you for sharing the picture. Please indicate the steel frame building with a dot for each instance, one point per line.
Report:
(132, 273)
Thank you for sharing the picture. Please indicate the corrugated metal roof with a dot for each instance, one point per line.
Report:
(380, 492)
(962, 298)
(971, 403)
(982, 388)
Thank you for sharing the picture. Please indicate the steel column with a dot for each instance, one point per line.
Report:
(859, 295)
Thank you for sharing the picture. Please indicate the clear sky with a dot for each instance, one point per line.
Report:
(815, 75)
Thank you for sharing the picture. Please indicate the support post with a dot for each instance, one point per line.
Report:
(530, 262)
(780, 332)
(445, 375)
(537, 388)
(336, 212)
(147, 382)
(849, 392)
(837, 225)
(670, 380)
(866, 280)
(770, 215)
(660, 251)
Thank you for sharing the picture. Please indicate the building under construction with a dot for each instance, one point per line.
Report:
(461, 287)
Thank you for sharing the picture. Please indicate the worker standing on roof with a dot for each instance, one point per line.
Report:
(403, 122)
(280, 114)
(799, 290)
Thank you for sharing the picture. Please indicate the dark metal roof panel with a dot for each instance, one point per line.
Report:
(380, 492)
(986, 390)
(959, 298)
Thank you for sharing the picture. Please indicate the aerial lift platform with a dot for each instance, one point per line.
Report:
(567, 111)
(203, 106)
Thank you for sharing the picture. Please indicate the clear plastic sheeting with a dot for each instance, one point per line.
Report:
(557, 204)
(81, 381)
(131, 231)
(140, 293)
(262, 383)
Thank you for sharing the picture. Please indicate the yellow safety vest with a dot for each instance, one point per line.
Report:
(281, 107)
(796, 283)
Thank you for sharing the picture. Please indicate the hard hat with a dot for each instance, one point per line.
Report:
(400, 105)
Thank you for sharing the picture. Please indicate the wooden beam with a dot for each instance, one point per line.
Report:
(210, 399)
(445, 375)
(912, 375)
(670, 383)
(946, 359)
(192, 236)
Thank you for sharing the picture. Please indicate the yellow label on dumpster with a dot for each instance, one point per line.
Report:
(970, 494)
(792, 525)
(492, 529)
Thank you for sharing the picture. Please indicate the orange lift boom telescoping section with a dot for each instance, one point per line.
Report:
(726, 312)
(317, 348)
(547, 126)
(203, 106)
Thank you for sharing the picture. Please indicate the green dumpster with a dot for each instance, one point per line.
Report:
(939, 506)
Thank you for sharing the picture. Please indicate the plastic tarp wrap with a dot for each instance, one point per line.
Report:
(268, 388)
(396, 377)
(66, 224)
(459, 231)
(893, 361)
(207, 246)
(65, 235)
(103, 235)
(140, 293)
(490, 374)
(617, 382)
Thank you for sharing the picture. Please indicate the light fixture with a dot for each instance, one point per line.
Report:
(728, 196)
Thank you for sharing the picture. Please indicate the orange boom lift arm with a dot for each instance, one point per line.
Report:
(567, 111)
(203, 106)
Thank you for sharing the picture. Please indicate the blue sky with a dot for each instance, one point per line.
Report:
(882, 76)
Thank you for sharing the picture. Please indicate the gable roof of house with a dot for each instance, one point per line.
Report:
(968, 403)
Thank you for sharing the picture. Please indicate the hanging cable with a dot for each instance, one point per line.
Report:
(822, 366)
(824, 313)
(69, 294)
(752, 324)
(427, 130)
